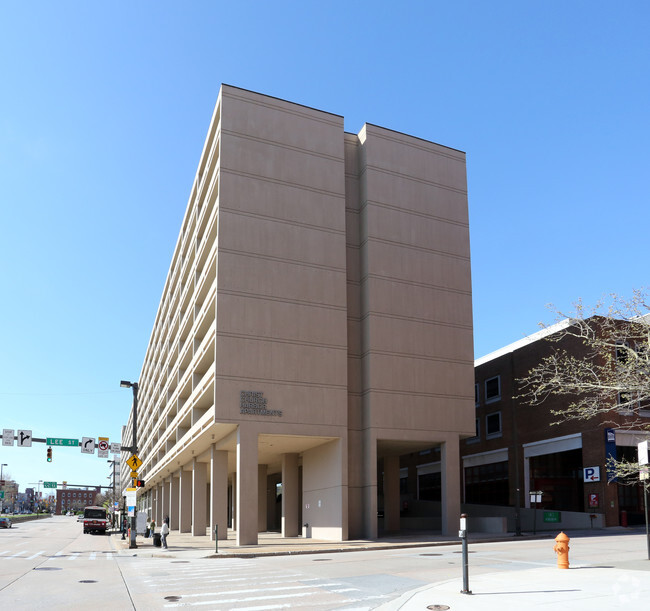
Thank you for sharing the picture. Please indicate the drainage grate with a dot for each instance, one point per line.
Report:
(430, 554)
(48, 568)
(321, 559)
(172, 599)
(87, 581)
(180, 561)
(438, 607)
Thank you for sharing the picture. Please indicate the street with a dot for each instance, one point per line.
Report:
(51, 563)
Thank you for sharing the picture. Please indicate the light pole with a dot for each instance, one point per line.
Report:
(114, 463)
(2, 500)
(134, 447)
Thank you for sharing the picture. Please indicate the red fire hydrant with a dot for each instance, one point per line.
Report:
(561, 548)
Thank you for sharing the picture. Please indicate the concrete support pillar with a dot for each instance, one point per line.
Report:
(391, 493)
(247, 491)
(370, 484)
(159, 506)
(199, 492)
(262, 525)
(219, 492)
(164, 502)
(185, 502)
(450, 483)
(290, 496)
(233, 502)
(174, 483)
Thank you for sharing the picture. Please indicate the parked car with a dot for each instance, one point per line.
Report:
(80, 517)
(5, 523)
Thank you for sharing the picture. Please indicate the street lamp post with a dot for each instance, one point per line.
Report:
(134, 448)
(113, 463)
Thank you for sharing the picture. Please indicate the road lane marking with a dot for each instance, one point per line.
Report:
(74, 556)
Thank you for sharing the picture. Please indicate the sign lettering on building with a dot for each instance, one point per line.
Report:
(253, 402)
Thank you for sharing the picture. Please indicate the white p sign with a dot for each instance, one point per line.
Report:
(591, 474)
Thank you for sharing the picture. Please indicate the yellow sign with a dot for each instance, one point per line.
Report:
(134, 474)
(134, 462)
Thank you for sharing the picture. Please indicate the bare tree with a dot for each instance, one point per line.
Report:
(608, 378)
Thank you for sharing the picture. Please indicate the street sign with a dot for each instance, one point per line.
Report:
(552, 516)
(591, 474)
(88, 445)
(2, 494)
(134, 474)
(642, 449)
(57, 441)
(116, 448)
(24, 438)
(102, 447)
(49, 484)
(7, 437)
(134, 462)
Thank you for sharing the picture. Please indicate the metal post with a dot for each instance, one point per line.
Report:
(645, 502)
(216, 538)
(462, 533)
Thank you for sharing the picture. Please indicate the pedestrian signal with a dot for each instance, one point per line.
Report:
(139, 483)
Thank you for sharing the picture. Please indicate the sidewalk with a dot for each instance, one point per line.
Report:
(272, 544)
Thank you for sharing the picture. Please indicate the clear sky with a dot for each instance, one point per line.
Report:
(104, 108)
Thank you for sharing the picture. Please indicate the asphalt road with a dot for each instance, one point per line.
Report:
(52, 564)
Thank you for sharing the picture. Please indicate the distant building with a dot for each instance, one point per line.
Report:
(516, 445)
(315, 325)
(75, 499)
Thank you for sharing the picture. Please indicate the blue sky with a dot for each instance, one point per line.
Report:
(104, 108)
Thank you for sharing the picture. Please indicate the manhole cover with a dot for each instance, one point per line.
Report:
(430, 554)
(180, 561)
(322, 559)
(87, 581)
(172, 599)
(47, 568)
(438, 607)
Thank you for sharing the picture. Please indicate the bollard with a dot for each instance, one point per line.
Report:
(216, 538)
(561, 548)
(462, 533)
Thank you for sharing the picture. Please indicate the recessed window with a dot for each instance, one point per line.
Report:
(622, 352)
(493, 425)
(493, 389)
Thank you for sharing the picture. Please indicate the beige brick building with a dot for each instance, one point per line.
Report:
(316, 324)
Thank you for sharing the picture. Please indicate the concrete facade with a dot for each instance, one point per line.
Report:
(316, 320)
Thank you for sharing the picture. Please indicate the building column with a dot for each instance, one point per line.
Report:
(369, 484)
(450, 483)
(185, 501)
(262, 524)
(247, 491)
(173, 502)
(219, 492)
(233, 502)
(159, 505)
(391, 493)
(290, 496)
(199, 483)
(164, 501)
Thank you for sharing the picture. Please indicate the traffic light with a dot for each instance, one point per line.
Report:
(49, 455)
(139, 483)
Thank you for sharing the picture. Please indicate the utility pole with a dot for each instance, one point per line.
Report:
(134, 450)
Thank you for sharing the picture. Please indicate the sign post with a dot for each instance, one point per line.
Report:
(642, 449)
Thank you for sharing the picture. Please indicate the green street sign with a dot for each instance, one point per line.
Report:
(552, 516)
(2, 494)
(55, 441)
(49, 484)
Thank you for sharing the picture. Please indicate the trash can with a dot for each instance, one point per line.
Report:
(156, 540)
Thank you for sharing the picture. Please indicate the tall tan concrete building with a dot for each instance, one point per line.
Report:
(315, 324)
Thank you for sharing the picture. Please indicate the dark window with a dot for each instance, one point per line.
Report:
(493, 425)
(476, 398)
(429, 487)
(492, 389)
(487, 484)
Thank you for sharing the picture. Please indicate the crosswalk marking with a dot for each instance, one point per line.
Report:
(34, 555)
(93, 556)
